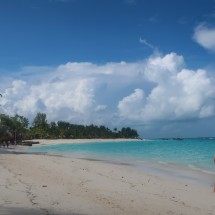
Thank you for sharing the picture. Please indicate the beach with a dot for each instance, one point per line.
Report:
(74, 141)
(48, 184)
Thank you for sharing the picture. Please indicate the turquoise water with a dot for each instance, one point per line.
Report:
(193, 153)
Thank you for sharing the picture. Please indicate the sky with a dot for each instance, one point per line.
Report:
(146, 64)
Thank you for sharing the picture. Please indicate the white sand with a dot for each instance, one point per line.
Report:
(42, 184)
(57, 141)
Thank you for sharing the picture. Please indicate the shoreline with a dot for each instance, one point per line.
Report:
(161, 166)
(174, 171)
(77, 141)
(50, 184)
(166, 170)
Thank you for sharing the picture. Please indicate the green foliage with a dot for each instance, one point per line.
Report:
(20, 126)
(6, 127)
(40, 126)
(21, 121)
(40, 121)
(9, 126)
(54, 131)
(128, 133)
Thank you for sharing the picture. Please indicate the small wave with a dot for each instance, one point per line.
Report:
(192, 167)
(201, 170)
(162, 162)
(140, 161)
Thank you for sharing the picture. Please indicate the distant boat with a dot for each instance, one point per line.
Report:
(175, 138)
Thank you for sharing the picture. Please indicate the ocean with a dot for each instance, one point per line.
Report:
(194, 154)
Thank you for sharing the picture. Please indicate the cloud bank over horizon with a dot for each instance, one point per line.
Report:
(157, 89)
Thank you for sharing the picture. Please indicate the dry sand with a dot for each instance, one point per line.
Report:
(69, 141)
(43, 184)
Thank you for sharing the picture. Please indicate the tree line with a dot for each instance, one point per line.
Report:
(18, 128)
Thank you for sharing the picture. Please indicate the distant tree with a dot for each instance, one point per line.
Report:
(19, 125)
(64, 129)
(40, 121)
(128, 133)
(20, 129)
(53, 130)
(7, 121)
(21, 120)
(40, 126)
(6, 127)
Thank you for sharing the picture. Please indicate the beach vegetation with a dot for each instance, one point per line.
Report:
(40, 126)
(19, 128)
(10, 127)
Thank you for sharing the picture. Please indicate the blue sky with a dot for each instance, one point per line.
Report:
(51, 32)
(111, 62)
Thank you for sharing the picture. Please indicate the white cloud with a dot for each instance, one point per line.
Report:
(100, 107)
(76, 92)
(159, 69)
(180, 94)
(130, 106)
(143, 41)
(64, 98)
(159, 88)
(205, 36)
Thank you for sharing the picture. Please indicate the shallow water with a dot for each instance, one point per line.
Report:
(194, 154)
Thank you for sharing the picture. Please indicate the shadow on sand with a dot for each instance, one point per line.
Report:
(30, 211)
(17, 151)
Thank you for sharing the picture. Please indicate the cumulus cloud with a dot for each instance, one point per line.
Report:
(63, 98)
(131, 105)
(77, 92)
(159, 88)
(180, 94)
(159, 69)
(205, 36)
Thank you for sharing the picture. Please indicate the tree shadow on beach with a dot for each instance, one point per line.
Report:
(13, 150)
(27, 211)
